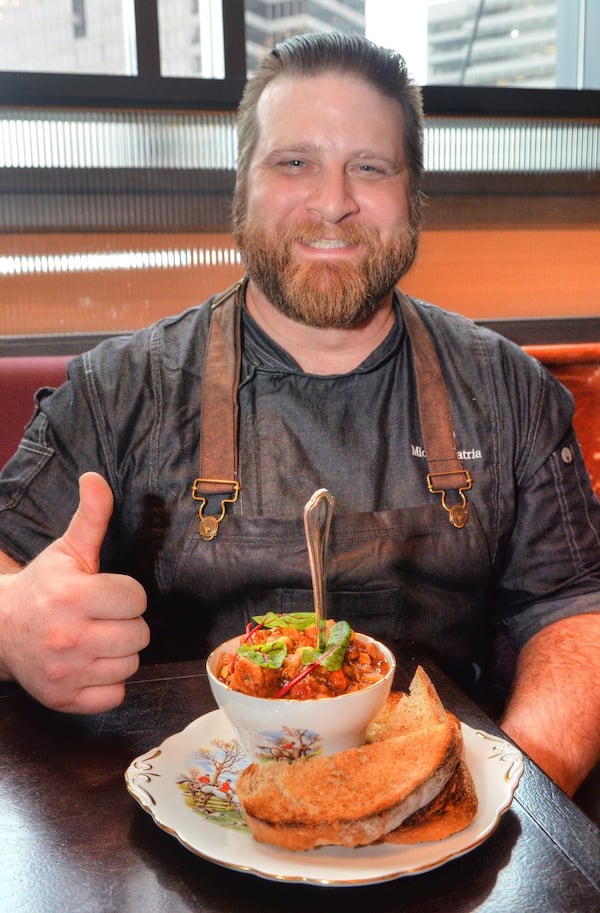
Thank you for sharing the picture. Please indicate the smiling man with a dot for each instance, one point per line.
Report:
(323, 210)
(326, 227)
(172, 469)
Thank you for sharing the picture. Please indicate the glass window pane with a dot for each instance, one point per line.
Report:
(269, 22)
(518, 43)
(67, 36)
(191, 38)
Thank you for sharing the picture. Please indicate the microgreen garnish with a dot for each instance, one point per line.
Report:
(297, 620)
(247, 638)
(271, 656)
(337, 644)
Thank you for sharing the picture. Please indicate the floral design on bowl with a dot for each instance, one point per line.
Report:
(289, 744)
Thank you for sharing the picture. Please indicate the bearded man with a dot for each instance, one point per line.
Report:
(457, 477)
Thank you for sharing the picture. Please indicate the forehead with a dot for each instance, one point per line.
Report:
(332, 104)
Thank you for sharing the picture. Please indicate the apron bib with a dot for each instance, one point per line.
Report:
(411, 575)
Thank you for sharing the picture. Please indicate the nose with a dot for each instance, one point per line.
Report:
(331, 196)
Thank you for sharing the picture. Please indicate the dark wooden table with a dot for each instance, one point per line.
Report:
(73, 839)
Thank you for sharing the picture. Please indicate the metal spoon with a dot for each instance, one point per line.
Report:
(317, 521)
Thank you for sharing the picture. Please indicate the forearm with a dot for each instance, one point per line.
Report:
(554, 710)
(7, 566)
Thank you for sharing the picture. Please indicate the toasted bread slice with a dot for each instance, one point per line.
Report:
(451, 811)
(402, 713)
(354, 797)
(456, 805)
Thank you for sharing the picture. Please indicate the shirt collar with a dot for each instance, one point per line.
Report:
(262, 352)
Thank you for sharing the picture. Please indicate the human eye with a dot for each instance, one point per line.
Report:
(374, 169)
(294, 164)
(287, 161)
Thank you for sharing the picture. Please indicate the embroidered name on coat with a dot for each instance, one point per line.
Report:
(418, 451)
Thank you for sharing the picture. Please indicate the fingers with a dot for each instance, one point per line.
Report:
(70, 635)
(91, 699)
(96, 699)
(122, 643)
(86, 531)
(113, 597)
(94, 685)
(68, 657)
(117, 639)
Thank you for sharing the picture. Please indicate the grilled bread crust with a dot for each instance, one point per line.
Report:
(402, 713)
(451, 811)
(354, 797)
(407, 784)
(456, 805)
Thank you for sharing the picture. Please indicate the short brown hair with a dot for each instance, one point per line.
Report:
(324, 52)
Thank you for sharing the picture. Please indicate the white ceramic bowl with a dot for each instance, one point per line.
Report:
(274, 728)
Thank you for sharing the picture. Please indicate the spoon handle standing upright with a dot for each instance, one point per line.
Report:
(317, 522)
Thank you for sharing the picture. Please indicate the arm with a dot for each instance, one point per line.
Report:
(7, 566)
(69, 634)
(554, 711)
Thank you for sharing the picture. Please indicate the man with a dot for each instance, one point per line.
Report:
(463, 508)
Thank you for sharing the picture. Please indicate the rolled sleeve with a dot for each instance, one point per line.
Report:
(523, 626)
(553, 566)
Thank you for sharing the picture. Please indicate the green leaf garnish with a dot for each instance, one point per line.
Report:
(335, 651)
(297, 620)
(270, 656)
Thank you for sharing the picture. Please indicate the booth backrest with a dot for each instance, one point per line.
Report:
(20, 377)
(577, 366)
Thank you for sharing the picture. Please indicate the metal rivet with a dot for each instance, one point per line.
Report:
(208, 528)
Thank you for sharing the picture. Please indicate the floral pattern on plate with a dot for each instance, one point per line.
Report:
(157, 780)
(208, 784)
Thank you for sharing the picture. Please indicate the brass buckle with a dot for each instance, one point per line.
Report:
(209, 524)
(458, 514)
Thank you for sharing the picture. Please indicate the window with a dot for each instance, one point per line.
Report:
(116, 187)
(79, 24)
(65, 36)
(535, 43)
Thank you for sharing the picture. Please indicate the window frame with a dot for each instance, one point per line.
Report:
(172, 92)
(151, 90)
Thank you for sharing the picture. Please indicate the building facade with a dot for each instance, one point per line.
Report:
(521, 43)
(96, 36)
(269, 21)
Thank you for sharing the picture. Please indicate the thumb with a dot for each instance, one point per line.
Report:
(86, 531)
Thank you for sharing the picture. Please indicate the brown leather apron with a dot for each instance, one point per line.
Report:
(410, 574)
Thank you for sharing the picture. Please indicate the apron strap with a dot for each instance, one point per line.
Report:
(219, 414)
(446, 472)
(219, 411)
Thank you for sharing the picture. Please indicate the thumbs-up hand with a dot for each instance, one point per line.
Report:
(70, 635)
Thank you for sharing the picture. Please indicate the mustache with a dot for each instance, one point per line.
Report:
(347, 234)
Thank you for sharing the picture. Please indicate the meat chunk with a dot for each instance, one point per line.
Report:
(250, 678)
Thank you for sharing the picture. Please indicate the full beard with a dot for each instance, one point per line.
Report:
(326, 294)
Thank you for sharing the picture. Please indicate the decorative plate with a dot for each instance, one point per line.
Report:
(188, 783)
